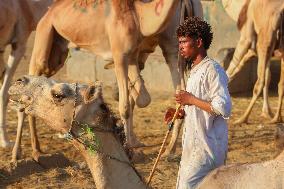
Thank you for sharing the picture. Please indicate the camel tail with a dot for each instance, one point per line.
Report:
(243, 15)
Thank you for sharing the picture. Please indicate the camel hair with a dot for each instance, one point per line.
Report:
(80, 111)
(261, 28)
(118, 36)
(18, 18)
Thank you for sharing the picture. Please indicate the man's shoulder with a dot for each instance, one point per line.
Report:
(214, 68)
(214, 65)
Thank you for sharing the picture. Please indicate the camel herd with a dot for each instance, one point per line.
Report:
(123, 35)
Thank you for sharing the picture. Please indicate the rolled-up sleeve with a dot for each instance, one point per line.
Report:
(218, 91)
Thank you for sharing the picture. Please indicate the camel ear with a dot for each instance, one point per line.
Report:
(93, 92)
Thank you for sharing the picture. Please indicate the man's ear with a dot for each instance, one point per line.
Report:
(199, 42)
(93, 92)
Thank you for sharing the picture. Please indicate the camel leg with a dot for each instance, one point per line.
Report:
(277, 117)
(138, 95)
(137, 87)
(251, 53)
(247, 36)
(178, 81)
(171, 148)
(121, 70)
(38, 66)
(133, 141)
(16, 153)
(266, 110)
(265, 45)
(2, 64)
(17, 53)
(4, 142)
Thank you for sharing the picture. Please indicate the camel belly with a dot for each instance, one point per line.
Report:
(86, 29)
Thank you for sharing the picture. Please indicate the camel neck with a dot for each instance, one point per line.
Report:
(108, 172)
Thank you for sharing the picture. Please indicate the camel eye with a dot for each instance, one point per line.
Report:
(57, 96)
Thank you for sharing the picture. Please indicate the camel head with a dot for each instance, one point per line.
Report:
(58, 104)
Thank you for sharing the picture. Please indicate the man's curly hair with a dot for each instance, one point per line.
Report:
(194, 27)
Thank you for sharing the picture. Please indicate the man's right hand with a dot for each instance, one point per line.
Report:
(170, 114)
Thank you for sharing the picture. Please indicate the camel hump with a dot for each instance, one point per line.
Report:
(243, 15)
(153, 15)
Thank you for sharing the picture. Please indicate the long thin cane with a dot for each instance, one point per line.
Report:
(163, 144)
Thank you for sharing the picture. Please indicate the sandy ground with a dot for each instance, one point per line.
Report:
(65, 168)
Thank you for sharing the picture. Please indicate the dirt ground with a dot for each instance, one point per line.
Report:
(65, 168)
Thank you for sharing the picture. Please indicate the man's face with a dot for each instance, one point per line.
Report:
(188, 47)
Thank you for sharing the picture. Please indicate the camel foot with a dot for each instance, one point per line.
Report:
(135, 144)
(7, 144)
(167, 153)
(138, 156)
(173, 158)
(36, 155)
(276, 119)
(16, 156)
(240, 121)
(267, 115)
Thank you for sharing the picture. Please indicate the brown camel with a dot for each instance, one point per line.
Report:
(18, 18)
(261, 27)
(120, 32)
(80, 111)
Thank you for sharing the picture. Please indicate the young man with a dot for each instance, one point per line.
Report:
(206, 103)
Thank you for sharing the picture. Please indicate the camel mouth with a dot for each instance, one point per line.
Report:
(16, 101)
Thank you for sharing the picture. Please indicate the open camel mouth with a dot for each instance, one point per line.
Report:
(18, 101)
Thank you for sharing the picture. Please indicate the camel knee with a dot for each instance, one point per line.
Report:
(39, 68)
(139, 92)
(143, 99)
(258, 87)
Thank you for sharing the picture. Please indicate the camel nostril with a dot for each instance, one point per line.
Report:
(21, 80)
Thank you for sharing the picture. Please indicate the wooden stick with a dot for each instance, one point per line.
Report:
(163, 145)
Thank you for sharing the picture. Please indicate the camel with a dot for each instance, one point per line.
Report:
(80, 111)
(262, 175)
(18, 18)
(261, 26)
(121, 34)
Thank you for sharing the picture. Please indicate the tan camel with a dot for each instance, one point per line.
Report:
(18, 18)
(120, 32)
(262, 175)
(259, 22)
(80, 111)
(268, 174)
(168, 43)
(69, 107)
